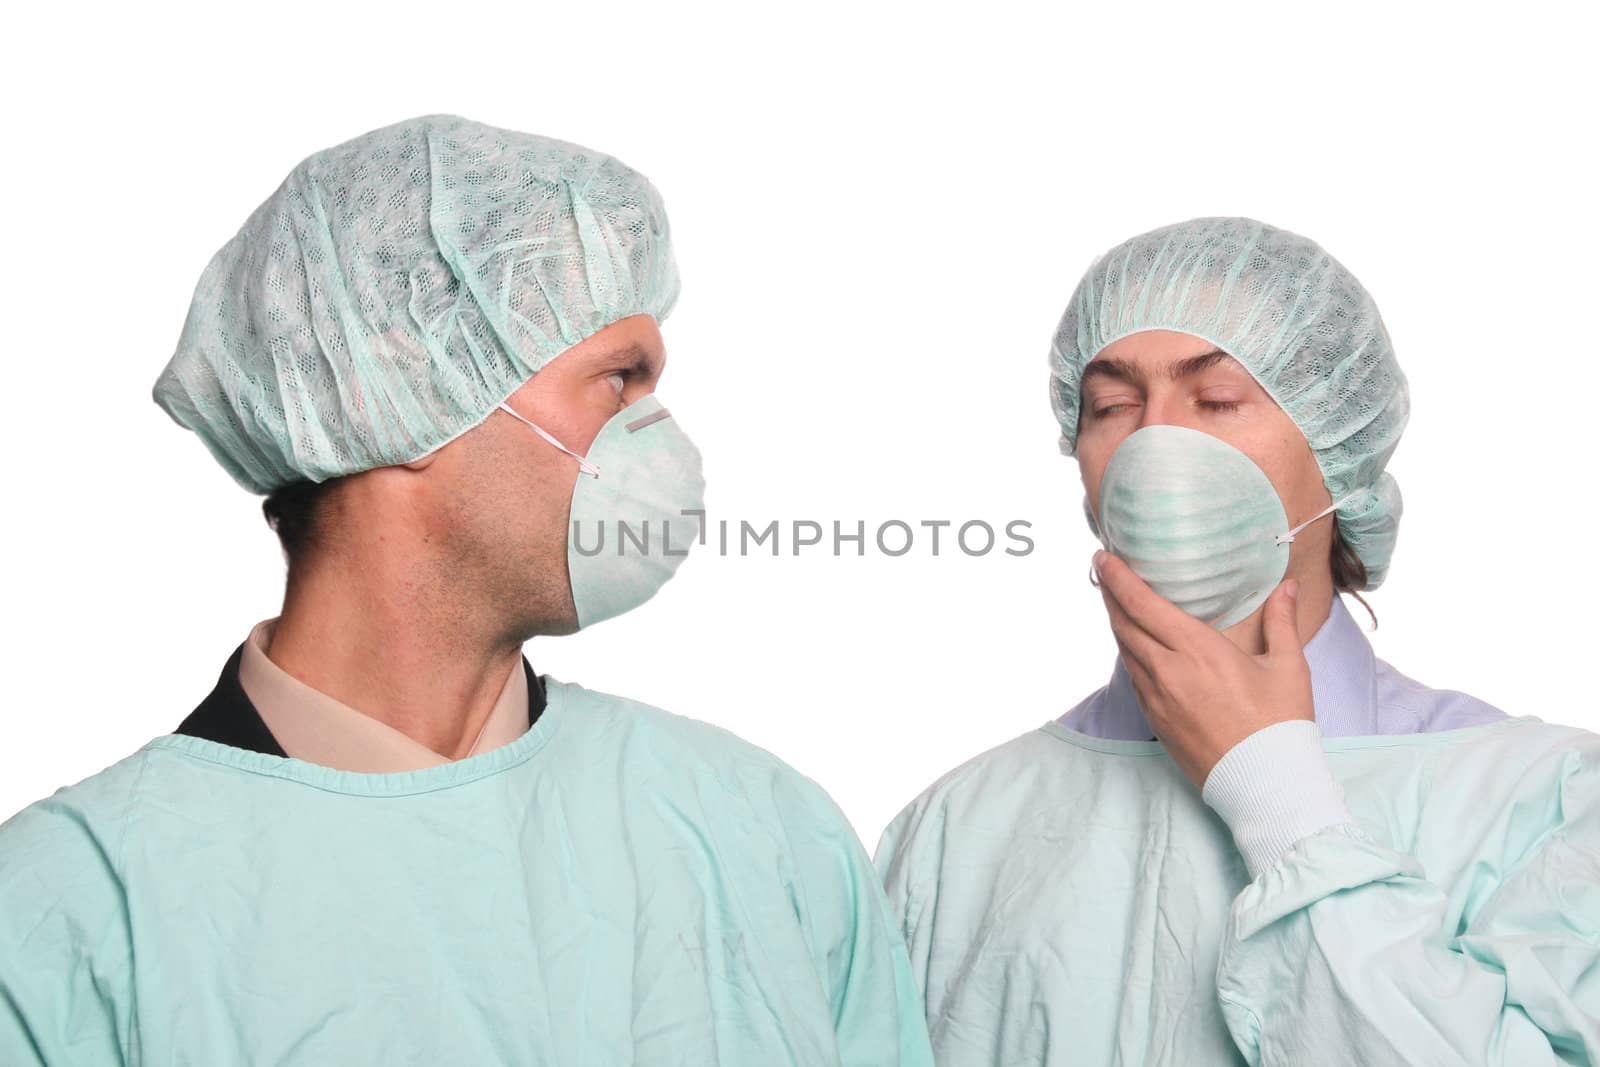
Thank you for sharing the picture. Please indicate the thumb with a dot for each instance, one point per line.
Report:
(1278, 623)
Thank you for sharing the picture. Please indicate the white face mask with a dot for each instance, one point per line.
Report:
(1197, 520)
(629, 529)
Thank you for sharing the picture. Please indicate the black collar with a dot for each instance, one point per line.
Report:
(227, 717)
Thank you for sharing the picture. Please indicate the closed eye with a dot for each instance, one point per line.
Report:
(642, 369)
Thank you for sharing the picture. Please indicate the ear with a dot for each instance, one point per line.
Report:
(421, 462)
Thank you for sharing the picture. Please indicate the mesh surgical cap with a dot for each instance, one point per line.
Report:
(396, 287)
(1293, 316)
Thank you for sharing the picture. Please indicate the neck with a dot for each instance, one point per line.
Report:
(395, 642)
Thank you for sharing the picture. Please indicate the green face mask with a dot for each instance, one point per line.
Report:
(637, 507)
(1197, 520)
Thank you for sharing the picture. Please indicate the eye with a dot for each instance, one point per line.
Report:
(617, 381)
(1108, 409)
(1220, 405)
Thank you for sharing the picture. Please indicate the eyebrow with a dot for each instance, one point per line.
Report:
(1195, 364)
(1123, 371)
(631, 356)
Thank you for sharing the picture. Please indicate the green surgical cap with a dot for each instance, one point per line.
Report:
(396, 287)
(1293, 316)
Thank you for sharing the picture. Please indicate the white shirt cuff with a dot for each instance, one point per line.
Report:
(1273, 789)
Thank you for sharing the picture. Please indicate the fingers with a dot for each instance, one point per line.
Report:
(1160, 618)
(1144, 683)
(1131, 637)
(1278, 627)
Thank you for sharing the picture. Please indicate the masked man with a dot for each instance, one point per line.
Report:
(1257, 843)
(382, 837)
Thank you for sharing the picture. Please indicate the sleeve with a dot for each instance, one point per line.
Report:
(1342, 951)
(876, 1008)
(909, 903)
(65, 952)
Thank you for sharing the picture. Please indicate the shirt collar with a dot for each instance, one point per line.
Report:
(311, 725)
(1343, 687)
(1343, 675)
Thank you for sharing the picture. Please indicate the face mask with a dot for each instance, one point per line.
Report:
(629, 533)
(1197, 520)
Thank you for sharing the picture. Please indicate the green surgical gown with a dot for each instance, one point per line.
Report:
(1070, 900)
(617, 886)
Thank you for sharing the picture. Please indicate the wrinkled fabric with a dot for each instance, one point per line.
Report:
(1293, 316)
(397, 287)
(617, 886)
(1070, 900)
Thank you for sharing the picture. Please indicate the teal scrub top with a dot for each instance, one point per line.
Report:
(619, 885)
(1069, 899)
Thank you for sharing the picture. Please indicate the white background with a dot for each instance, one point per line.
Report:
(879, 215)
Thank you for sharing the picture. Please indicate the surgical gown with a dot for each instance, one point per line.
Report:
(1069, 899)
(616, 886)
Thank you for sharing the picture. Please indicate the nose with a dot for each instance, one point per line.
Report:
(1166, 408)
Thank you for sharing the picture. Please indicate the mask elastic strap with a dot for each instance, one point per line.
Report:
(583, 464)
(1284, 539)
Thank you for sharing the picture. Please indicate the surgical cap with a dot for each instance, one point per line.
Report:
(397, 287)
(1293, 316)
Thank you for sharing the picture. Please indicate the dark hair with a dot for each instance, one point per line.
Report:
(293, 512)
(1349, 573)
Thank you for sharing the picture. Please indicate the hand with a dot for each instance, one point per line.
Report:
(1202, 694)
